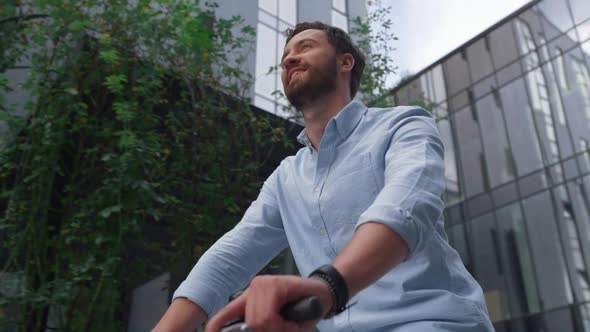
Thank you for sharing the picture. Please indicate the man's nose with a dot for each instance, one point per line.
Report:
(290, 61)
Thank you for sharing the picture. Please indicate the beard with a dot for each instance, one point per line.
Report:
(320, 81)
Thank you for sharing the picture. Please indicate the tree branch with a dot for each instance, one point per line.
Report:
(22, 18)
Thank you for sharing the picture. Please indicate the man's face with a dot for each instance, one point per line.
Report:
(310, 67)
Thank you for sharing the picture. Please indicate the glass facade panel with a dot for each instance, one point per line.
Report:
(479, 59)
(580, 9)
(339, 5)
(457, 73)
(288, 11)
(268, 5)
(274, 17)
(470, 151)
(498, 155)
(266, 39)
(488, 265)
(555, 17)
(576, 99)
(515, 120)
(584, 35)
(570, 237)
(453, 187)
(520, 275)
(547, 253)
(503, 46)
(339, 20)
(521, 128)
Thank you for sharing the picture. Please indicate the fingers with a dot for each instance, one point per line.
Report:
(235, 309)
(261, 303)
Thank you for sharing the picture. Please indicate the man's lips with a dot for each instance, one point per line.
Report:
(293, 71)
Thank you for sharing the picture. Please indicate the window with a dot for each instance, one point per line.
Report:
(582, 79)
(585, 149)
(538, 92)
(274, 17)
(560, 67)
(339, 17)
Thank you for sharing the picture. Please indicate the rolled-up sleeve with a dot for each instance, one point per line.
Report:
(239, 254)
(410, 201)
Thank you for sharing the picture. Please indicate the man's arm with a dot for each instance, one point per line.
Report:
(404, 214)
(397, 224)
(182, 315)
(373, 250)
(229, 264)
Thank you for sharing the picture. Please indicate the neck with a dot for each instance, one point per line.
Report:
(317, 115)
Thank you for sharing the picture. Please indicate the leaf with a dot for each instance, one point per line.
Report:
(4, 116)
(110, 56)
(77, 25)
(126, 138)
(105, 213)
(122, 111)
(115, 83)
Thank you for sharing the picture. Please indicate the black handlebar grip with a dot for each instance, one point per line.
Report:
(306, 309)
(309, 308)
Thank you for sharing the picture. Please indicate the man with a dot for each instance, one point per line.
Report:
(359, 204)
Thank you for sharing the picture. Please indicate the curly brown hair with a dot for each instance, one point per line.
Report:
(341, 41)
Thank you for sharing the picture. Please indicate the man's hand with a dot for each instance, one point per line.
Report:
(261, 303)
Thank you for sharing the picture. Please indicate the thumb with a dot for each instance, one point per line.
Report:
(233, 310)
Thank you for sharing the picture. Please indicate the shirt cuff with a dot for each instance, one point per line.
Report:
(399, 220)
(210, 301)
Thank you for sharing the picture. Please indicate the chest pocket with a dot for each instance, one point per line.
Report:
(348, 192)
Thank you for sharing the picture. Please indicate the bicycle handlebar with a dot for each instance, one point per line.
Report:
(309, 308)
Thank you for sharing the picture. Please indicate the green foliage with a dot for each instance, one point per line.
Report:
(138, 150)
(375, 37)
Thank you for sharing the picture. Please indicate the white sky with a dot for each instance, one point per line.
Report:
(430, 29)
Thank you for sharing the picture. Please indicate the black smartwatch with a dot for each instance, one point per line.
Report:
(337, 285)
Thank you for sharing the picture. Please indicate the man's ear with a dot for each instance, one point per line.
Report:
(346, 62)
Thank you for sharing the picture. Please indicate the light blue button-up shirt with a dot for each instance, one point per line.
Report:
(373, 165)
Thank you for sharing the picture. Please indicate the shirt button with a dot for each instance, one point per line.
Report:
(322, 232)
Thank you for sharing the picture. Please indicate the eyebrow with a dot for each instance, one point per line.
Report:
(297, 44)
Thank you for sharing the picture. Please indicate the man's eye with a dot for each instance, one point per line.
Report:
(304, 46)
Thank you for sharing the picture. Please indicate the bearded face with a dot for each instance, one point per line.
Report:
(311, 82)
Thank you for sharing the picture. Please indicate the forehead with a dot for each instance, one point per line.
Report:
(314, 34)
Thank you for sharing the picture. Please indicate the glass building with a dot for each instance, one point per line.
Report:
(513, 108)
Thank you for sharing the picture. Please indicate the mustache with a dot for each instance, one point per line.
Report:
(291, 70)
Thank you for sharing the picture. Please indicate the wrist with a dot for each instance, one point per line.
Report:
(326, 296)
(336, 284)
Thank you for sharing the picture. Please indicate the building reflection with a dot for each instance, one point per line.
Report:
(513, 108)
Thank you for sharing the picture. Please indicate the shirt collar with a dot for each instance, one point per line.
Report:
(345, 121)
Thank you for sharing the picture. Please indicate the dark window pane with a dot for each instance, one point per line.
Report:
(570, 237)
(479, 60)
(496, 148)
(503, 45)
(488, 267)
(520, 275)
(554, 284)
(583, 318)
(478, 205)
(521, 128)
(533, 183)
(470, 150)
(505, 194)
(457, 73)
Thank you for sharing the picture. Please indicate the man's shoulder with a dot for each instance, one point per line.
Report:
(397, 112)
(289, 161)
